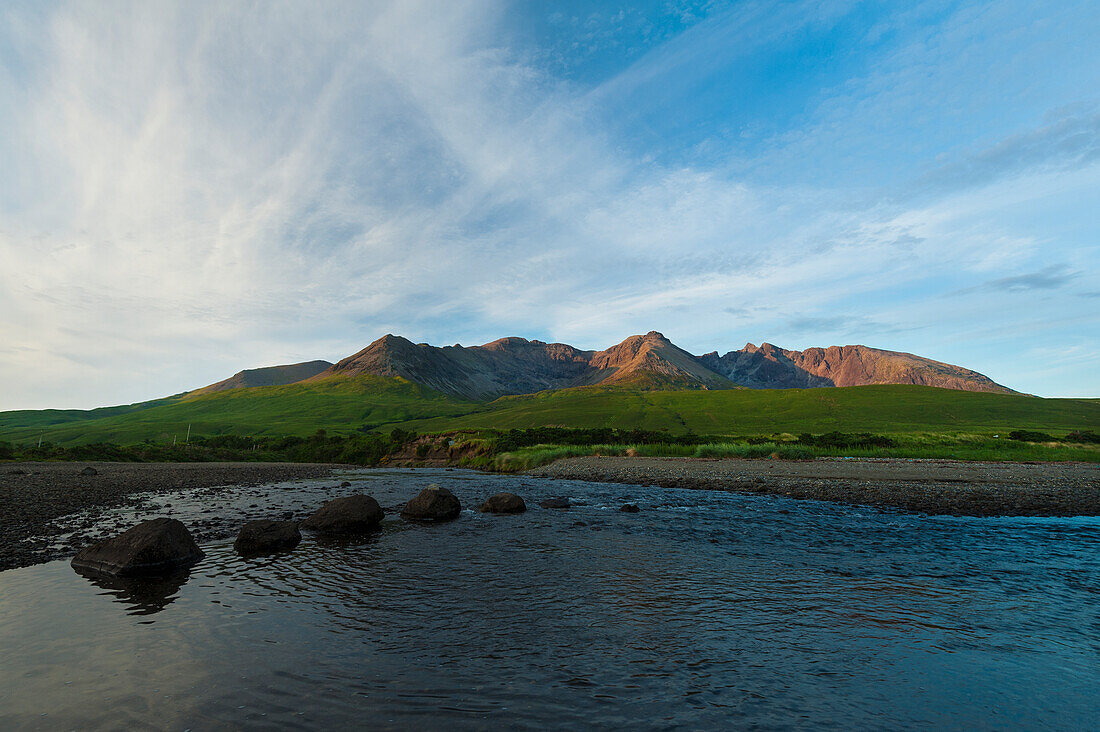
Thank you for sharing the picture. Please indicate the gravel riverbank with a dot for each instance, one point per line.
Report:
(32, 495)
(924, 486)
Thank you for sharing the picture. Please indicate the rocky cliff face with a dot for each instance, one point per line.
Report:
(768, 366)
(650, 361)
(519, 366)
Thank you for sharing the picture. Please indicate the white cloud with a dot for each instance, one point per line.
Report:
(209, 187)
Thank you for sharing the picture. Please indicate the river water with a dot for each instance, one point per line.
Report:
(706, 610)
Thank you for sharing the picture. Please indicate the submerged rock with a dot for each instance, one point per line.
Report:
(157, 547)
(346, 516)
(434, 503)
(265, 536)
(503, 503)
(555, 503)
(630, 508)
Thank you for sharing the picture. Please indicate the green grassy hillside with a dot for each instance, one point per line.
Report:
(348, 404)
(342, 404)
(890, 408)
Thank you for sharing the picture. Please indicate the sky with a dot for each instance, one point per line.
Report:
(194, 188)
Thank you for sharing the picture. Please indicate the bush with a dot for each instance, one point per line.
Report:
(516, 439)
(7, 452)
(846, 440)
(1087, 437)
(1027, 436)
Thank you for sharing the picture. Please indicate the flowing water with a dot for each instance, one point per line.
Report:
(705, 610)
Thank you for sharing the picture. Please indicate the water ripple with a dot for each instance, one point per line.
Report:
(704, 610)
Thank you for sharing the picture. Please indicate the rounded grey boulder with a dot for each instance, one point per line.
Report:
(89, 471)
(265, 537)
(503, 503)
(346, 516)
(434, 503)
(157, 547)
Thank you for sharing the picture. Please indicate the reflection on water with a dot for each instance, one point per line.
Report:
(140, 595)
(705, 610)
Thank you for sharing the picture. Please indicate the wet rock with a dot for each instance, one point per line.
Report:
(345, 484)
(265, 536)
(503, 503)
(346, 516)
(89, 471)
(630, 508)
(555, 503)
(434, 503)
(157, 547)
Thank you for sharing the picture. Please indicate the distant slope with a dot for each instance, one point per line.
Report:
(880, 408)
(293, 409)
(268, 376)
(769, 367)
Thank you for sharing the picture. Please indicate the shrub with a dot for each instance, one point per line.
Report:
(846, 440)
(1028, 436)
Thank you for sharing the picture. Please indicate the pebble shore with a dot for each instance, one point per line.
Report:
(939, 487)
(32, 495)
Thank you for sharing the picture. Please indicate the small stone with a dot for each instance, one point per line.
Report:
(264, 537)
(503, 503)
(434, 503)
(346, 515)
(156, 547)
(89, 471)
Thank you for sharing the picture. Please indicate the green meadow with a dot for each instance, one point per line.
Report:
(889, 409)
(339, 405)
(926, 422)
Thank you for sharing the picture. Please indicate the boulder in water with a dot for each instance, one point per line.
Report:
(349, 515)
(434, 503)
(630, 508)
(555, 503)
(265, 536)
(503, 503)
(157, 547)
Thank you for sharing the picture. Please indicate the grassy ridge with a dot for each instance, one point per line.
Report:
(921, 446)
(345, 405)
(341, 404)
(890, 409)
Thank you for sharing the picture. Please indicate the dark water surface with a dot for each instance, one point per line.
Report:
(704, 611)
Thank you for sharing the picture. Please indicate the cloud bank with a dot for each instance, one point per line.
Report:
(197, 188)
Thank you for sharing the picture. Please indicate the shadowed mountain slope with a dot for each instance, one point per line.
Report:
(269, 376)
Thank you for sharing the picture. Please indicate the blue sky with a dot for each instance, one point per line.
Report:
(196, 188)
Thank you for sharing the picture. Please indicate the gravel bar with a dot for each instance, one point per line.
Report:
(941, 487)
(33, 494)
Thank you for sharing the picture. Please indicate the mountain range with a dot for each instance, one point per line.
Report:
(510, 366)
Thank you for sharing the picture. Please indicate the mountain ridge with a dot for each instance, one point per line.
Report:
(515, 365)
